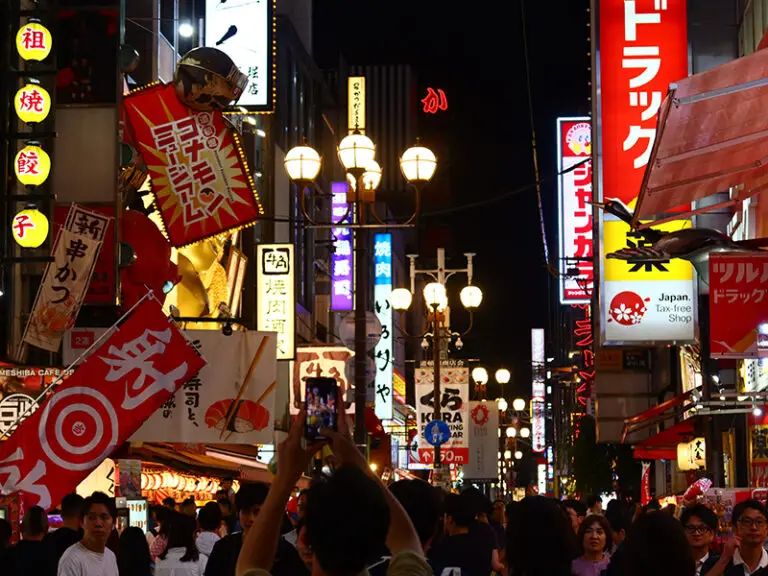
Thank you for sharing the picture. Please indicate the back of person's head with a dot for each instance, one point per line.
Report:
(534, 554)
(460, 509)
(478, 501)
(652, 506)
(35, 523)
(99, 498)
(745, 505)
(575, 505)
(592, 500)
(222, 494)
(134, 558)
(71, 506)
(251, 494)
(169, 503)
(182, 535)
(209, 517)
(6, 531)
(656, 544)
(422, 504)
(618, 515)
(347, 521)
(703, 513)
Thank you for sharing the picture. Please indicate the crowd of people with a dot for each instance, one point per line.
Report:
(350, 523)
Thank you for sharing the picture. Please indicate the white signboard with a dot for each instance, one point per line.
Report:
(356, 103)
(276, 305)
(483, 441)
(454, 410)
(323, 362)
(243, 30)
(538, 412)
(231, 400)
(384, 352)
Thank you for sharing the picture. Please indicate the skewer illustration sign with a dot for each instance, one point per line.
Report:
(231, 400)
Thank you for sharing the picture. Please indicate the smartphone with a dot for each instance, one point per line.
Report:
(321, 401)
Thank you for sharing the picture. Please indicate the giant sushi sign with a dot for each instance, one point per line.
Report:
(232, 400)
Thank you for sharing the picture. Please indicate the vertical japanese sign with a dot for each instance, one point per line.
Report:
(356, 103)
(538, 391)
(321, 362)
(342, 260)
(645, 484)
(384, 350)
(65, 280)
(98, 408)
(758, 448)
(574, 148)
(738, 304)
(276, 296)
(585, 389)
(483, 441)
(454, 407)
(244, 30)
(643, 48)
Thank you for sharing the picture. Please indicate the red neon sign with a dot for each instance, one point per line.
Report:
(434, 101)
(586, 372)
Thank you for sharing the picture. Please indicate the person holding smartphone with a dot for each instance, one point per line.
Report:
(344, 532)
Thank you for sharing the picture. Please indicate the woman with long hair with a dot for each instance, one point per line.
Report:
(656, 544)
(595, 540)
(133, 558)
(181, 557)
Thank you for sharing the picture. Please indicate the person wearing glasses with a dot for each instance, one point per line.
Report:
(744, 555)
(700, 525)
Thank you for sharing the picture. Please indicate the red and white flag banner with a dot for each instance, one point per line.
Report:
(108, 397)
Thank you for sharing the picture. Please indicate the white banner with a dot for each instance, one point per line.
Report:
(483, 441)
(321, 362)
(232, 400)
(454, 408)
(384, 351)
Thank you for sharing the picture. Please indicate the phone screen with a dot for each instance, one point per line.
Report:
(320, 401)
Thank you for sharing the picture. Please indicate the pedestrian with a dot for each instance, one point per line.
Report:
(189, 507)
(134, 558)
(576, 512)
(169, 503)
(6, 531)
(594, 505)
(28, 557)
(700, 525)
(209, 519)
(91, 556)
(595, 540)
(181, 557)
(656, 546)
(228, 517)
(69, 533)
(160, 543)
(744, 553)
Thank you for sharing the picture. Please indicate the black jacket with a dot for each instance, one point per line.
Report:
(223, 558)
(57, 542)
(25, 558)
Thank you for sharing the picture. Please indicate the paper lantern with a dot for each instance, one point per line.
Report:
(34, 41)
(32, 103)
(32, 165)
(30, 228)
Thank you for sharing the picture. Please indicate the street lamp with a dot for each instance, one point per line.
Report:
(518, 404)
(480, 375)
(518, 455)
(511, 432)
(508, 455)
(502, 403)
(503, 376)
(525, 432)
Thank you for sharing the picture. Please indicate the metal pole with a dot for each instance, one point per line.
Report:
(361, 352)
(436, 415)
(714, 449)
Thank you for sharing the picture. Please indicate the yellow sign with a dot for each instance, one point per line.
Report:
(32, 165)
(34, 41)
(692, 455)
(617, 235)
(32, 103)
(30, 228)
(356, 103)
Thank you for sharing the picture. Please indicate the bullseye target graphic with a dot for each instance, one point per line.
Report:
(78, 428)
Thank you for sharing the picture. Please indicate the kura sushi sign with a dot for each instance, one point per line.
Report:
(231, 400)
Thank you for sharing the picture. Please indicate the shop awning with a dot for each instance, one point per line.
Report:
(654, 415)
(712, 135)
(663, 446)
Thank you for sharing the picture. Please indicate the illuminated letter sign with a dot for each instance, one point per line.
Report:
(342, 260)
(434, 100)
(33, 41)
(356, 103)
(32, 103)
(32, 166)
(538, 412)
(384, 351)
(276, 296)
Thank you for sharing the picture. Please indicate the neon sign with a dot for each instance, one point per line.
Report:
(434, 101)
(586, 373)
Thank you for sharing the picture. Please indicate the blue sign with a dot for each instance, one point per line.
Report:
(437, 432)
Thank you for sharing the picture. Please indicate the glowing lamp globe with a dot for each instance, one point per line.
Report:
(33, 42)
(503, 376)
(418, 164)
(518, 455)
(356, 152)
(511, 432)
(32, 165)
(480, 375)
(372, 176)
(435, 296)
(518, 404)
(525, 432)
(32, 103)
(400, 299)
(507, 454)
(471, 296)
(502, 403)
(29, 228)
(302, 163)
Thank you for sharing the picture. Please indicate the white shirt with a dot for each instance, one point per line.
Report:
(205, 542)
(700, 563)
(737, 559)
(172, 565)
(77, 560)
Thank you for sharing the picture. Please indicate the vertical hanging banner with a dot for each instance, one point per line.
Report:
(574, 148)
(356, 103)
(538, 392)
(200, 178)
(483, 441)
(645, 484)
(100, 405)
(276, 304)
(66, 279)
(384, 350)
(643, 48)
(738, 304)
(342, 259)
(758, 448)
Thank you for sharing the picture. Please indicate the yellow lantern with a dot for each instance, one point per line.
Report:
(32, 103)
(32, 165)
(34, 41)
(30, 228)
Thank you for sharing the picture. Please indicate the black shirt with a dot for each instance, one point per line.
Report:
(25, 558)
(223, 558)
(470, 552)
(58, 541)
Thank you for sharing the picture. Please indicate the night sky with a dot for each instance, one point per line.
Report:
(476, 54)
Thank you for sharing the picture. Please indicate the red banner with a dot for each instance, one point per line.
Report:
(738, 304)
(199, 174)
(643, 48)
(645, 484)
(102, 404)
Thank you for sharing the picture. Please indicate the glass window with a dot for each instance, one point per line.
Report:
(167, 19)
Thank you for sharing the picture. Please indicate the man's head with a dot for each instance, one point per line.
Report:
(576, 512)
(499, 509)
(98, 516)
(594, 504)
(225, 506)
(169, 503)
(209, 517)
(188, 507)
(750, 522)
(618, 516)
(422, 504)
(347, 520)
(301, 503)
(34, 525)
(226, 484)
(248, 501)
(700, 525)
(459, 513)
(478, 502)
(71, 507)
